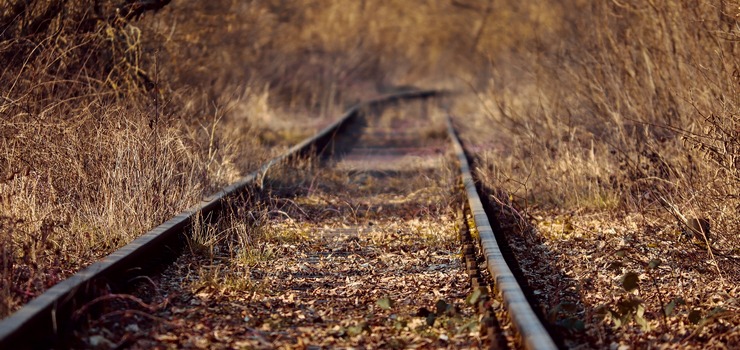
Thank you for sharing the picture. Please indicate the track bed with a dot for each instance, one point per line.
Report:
(357, 249)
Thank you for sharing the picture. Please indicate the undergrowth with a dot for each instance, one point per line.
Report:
(625, 111)
(116, 115)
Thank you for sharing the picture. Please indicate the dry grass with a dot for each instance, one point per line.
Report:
(73, 168)
(110, 113)
(638, 113)
(621, 108)
(625, 112)
(640, 107)
(95, 128)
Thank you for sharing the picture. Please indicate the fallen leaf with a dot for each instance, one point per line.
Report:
(385, 303)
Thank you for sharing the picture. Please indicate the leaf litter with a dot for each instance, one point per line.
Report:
(626, 281)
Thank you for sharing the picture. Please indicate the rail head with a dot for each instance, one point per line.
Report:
(533, 333)
(41, 322)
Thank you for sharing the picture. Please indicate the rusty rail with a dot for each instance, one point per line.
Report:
(533, 333)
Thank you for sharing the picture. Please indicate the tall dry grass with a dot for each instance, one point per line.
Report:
(98, 143)
(136, 109)
(620, 104)
(605, 129)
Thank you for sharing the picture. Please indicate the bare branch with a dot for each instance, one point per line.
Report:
(133, 9)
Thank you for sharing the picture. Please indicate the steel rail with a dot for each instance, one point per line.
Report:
(532, 331)
(43, 321)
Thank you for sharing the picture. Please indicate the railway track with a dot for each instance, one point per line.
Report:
(390, 167)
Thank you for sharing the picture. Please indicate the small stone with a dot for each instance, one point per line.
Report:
(98, 340)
